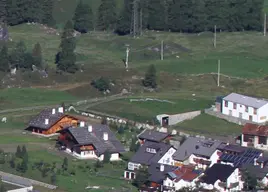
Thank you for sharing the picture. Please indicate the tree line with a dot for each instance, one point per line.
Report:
(189, 16)
(14, 12)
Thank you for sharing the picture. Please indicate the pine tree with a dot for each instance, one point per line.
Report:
(157, 15)
(65, 164)
(18, 152)
(66, 57)
(133, 145)
(37, 55)
(124, 21)
(4, 60)
(141, 177)
(150, 77)
(3, 11)
(24, 154)
(17, 57)
(107, 15)
(48, 12)
(34, 11)
(107, 156)
(15, 13)
(83, 18)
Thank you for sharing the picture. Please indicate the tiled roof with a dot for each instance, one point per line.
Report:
(186, 173)
(217, 172)
(196, 146)
(84, 137)
(253, 129)
(245, 100)
(158, 176)
(152, 135)
(142, 156)
(39, 120)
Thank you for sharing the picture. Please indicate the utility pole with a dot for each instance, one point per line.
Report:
(127, 55)
(219, 67)
(141, 21)
(162, 50)
(264, 25)
(215, 36)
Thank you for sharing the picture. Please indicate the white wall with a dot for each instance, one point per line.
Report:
(178, 185)
(233, 178)
(241, 109)
(167, 158)
(263, 112)
(256, 143)
(92, 155)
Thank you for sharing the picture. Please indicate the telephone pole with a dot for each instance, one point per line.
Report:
(141, 21)
(162, 50)
(127, 55)
(219, 67)
(215, 36)
(264, 25)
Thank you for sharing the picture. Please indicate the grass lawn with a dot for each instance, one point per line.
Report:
(107, 176)
(20, 139)
(147, 110)
(22, 97)
(207, 124)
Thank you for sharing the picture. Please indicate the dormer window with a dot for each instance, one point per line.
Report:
(150, 150)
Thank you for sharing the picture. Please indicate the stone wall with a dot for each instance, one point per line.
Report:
(177, 118)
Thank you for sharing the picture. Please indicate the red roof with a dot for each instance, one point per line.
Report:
(186, 173)
(253, 129)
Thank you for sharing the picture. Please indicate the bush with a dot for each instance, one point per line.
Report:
(101, 84)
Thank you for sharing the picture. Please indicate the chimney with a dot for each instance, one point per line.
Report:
(60, 110)
(82, 124)
(162, 167)
(53, 111)
(46, 121)
(105, 136)
(262, 165)
(255, 161)
(89, 128)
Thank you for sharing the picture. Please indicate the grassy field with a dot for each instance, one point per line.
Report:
(209, 125)
(12, 98)
(147, 110)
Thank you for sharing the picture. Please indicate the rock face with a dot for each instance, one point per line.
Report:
(3, 33)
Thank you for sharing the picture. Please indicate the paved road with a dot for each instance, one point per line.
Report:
(33, 182)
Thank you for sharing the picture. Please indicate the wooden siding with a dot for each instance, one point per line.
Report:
(67, 120)
(87, 148)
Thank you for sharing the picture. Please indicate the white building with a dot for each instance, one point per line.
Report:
(245, 107)
(184, 176)
(91, 142)
(148, 153)
(197, 151)
(255, 136)
(222, 178)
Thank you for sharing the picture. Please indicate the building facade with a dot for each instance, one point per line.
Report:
(245, 107)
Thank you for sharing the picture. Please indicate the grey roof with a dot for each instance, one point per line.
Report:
(217, 172)
(152, 135)
(17, 181)
(146, 158)
(255, 170)
(39, 120)
(246, 100)
(84, 137)
(158, 176)
(196, 146)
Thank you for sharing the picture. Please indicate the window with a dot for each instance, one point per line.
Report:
(234, 106)
(246, 108)
(150, 150)
(248, 138)
(255, 111)
(226, 103)
(262, 140)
